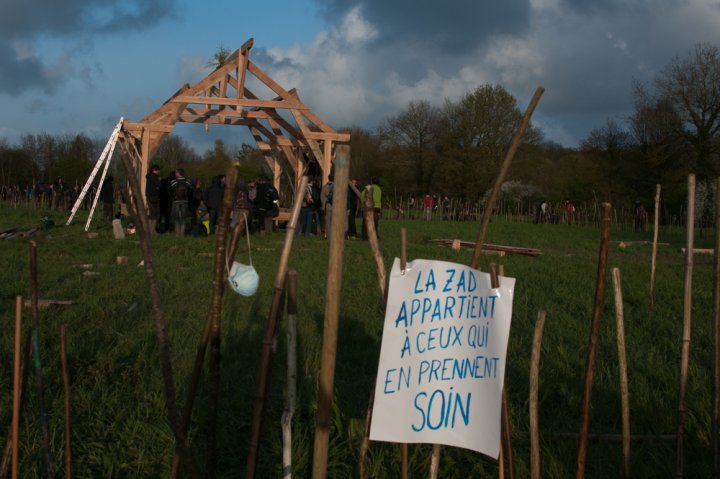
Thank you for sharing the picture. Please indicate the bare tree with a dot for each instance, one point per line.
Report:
(690, 88)
(416, 130)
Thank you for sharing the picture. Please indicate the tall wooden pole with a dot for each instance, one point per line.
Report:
(287, 416)
(716, 334)
(687, 326)
(49, 470)
(622, 364)
(6, 462)
(16, 386)
(270, 328)
(380, 269)
(214, 315)
(66, 389)
(404, 453)
(194, 381)
(534, 381)
(594, 334)
(135, 205)
(504, 168)
(654, 249)
(326, 379)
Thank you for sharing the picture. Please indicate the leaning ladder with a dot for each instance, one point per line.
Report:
(104, 158)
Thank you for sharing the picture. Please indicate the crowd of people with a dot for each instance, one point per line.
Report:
(186, 208)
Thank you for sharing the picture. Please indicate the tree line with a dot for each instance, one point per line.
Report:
(455, 149)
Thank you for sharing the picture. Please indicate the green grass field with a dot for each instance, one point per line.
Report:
(118, 416)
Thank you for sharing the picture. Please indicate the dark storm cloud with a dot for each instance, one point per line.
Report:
(452, 26)
(24, 21)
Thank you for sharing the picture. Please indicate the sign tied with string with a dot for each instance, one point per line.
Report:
(442, 360)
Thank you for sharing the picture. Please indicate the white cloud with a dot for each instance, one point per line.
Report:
(191, 69)
(355, 29)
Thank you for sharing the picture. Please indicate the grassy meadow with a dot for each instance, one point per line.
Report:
(118, 417)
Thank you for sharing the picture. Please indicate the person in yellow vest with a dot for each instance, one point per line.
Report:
(373, 187)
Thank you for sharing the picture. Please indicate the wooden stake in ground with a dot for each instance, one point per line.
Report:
(404, 453)
(504, 168)
(291, 373)
(214, 314)
(534, 381)
(622, 363)
(136, 209)
(380, 268)
(594, 334)
(194, 381)
(716, 335)
(435, 461)
(654, 249)
(16, 385)
(25, 371)
(66, 388)
(506, 447)
(270, 328)
(687, 325)
(36, 359)
(326, 378)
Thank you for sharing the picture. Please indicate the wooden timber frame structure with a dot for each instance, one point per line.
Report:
(222, 98)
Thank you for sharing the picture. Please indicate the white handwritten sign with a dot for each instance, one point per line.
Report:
(442, 361)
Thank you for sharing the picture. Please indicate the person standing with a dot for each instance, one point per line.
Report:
(306, 210)
(641, 216)
(373, 189)
(267, 204)
(107, 196)
(352, 209)
(569, 211)
(428, 203)
(213, 200)
(326, 196)
(180, 190)
(152, 196)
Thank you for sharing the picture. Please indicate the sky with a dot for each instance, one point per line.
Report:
(77, 66)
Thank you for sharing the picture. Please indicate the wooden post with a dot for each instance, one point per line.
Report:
(435, 461)
(622, 363)
(326, 378)
(373, 240)
(16, 386)
(36, 359)
(66, 388)
(504, 168)
(506, 449)
(135, 206)
(6, 462)
(291, 373)
(534, 381)
(270, 328)
(404, 453)
(654, 249)
(687, 325)
(716, 334)
(214, 315)
(594, 333)
(365, 443)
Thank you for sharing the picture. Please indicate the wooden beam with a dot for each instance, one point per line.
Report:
(139, 127)
(243, 58)
(316, 135)
(305, 130)
(240, 102)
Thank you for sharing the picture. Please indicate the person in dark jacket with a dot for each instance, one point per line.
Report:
(107, 196)
(180, 192)
(213, 200)
(152, 196)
